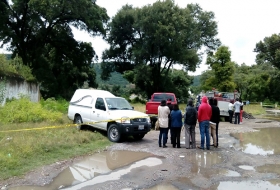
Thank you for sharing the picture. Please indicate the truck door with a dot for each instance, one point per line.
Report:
(84, 106)
(99, 113)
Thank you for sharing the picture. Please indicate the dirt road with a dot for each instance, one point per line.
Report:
(230, 166)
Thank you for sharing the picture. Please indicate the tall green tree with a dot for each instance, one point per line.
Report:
(268, 51)
(148, 41)
(258, 83)
(40, 33)
(207, 80)
(223, 69)
(241, 79)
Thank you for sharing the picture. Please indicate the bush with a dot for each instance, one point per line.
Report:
(23, 110)
(60, 105)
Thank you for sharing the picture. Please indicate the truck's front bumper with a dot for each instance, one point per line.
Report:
(131, 129)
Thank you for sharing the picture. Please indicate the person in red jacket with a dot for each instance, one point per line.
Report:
(204, 116)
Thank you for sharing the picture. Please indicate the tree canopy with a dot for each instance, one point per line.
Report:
(40, 33)
(223, 69)
(147, 42)
(268, 51)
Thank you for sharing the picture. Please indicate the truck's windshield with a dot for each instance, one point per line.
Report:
(118, 104)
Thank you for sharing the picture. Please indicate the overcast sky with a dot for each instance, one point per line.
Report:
(241, 24)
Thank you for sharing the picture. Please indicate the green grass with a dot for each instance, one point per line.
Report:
(23, 151)
(254, 109)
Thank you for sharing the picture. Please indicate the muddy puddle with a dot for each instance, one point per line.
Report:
(273, 184)
(203, 164)
(98, 168)
(264, 141)
(163, 187)
(256, 184)
(269, 168)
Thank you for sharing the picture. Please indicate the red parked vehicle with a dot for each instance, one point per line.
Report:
(154, 102)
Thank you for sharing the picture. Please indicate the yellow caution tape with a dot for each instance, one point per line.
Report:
(67, 125)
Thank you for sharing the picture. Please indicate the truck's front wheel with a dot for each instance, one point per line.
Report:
(114, 133)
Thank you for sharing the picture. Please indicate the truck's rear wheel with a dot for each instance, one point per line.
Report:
(114, 133)
(78, 120)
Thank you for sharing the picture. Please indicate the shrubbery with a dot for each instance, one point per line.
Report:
(23, 110)
(51, 104)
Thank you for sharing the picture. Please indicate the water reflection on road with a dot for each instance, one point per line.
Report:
(94, 166)
(256, 184)
(265, 141)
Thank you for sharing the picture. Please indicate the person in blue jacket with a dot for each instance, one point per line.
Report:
(176, 125)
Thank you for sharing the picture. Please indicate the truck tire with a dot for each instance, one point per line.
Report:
(78, 120)
(114, 133)
(138, 136)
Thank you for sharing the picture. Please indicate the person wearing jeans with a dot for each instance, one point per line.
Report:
(237, 106)
(204, 132)
(163, 136)
(204, 116)
(163, 113)
(176, 126)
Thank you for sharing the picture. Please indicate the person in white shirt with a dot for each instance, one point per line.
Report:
(230, 111)
(163, 113)
(237, 106)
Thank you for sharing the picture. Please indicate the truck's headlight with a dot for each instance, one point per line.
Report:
(125, 120)
(148, 120)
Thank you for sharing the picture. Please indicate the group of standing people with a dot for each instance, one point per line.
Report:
(235, 108)
(171, 118)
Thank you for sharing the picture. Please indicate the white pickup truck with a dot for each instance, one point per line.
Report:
(102, 110)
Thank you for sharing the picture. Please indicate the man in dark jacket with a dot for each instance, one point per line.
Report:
(189, 124)
(215, 118)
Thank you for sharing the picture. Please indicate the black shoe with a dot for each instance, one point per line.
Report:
(164, 146)
(159, 145)
(208, 148)
(200, 148)
(178, 147)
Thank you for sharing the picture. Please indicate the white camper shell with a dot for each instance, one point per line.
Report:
(103, 110)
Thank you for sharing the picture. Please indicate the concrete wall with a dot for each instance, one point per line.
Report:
(15, 86)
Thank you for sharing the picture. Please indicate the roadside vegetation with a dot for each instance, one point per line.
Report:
(254, 109)
(34, 145)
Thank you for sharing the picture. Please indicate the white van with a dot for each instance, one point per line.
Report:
(102, 110)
